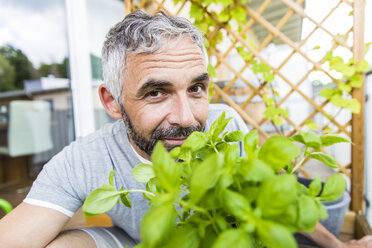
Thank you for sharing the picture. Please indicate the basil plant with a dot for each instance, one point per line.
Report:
(204, 194)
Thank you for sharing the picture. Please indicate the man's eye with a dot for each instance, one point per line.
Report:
(154, 94)
(196, 89)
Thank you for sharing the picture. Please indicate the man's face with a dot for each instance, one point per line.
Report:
(165, 95)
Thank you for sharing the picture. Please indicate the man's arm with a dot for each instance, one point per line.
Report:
(30, 226)
(325, 239)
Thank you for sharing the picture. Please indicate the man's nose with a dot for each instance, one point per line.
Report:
(181, 114)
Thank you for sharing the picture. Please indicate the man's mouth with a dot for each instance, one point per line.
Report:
(176, 141)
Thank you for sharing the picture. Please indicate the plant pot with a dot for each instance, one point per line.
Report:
(336, 214)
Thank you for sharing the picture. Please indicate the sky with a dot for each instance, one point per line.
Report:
(39, 27)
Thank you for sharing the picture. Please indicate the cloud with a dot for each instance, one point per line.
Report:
(40, 32)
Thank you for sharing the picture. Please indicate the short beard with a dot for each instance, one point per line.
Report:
(148, 145)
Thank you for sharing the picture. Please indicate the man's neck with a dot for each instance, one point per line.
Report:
(139, 151)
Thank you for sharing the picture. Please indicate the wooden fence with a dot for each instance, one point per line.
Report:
(274, 27)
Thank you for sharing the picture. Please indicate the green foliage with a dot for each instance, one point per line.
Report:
(7, 75)
(208, 193)
(19, 61)
(351, 71)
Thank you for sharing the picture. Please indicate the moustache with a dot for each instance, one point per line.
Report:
(174, 132)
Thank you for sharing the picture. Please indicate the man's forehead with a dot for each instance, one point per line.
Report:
(172, 46)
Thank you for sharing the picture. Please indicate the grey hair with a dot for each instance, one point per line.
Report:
(139, 32)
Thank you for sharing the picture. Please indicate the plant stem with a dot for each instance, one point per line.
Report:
(306, 154)
(139, 191)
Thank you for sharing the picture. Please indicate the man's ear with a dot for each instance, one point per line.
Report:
(109, 103)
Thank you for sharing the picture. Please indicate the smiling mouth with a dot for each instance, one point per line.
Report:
(175, 141)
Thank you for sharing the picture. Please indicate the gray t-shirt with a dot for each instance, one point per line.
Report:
(68, 178)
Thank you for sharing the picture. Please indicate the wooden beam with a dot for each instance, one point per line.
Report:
(128, 6)
(357, 152)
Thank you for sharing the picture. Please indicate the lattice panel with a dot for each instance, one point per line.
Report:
(274, 26)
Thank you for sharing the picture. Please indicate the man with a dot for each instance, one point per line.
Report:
(156, 85)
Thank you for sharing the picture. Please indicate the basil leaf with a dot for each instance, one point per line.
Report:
(157, 225)
(278, 151)
(218, 126)
(143, 173)
(275, 235)
(183, 237)
(125, 199)
(111, 177)
(315, 187)
(308, 213)
(255, 170)
(250, 143)
(330, 139)
(323, 213)
(235, 136)
(277, 194)
(334, 187)
(195, 141)
(101, 200)
(165, 169)
(325, 158)
(309, 139)
(236, 238)
(236, 203)
(204, 177)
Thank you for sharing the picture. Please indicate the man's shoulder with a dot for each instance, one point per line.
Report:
(106, 131)
(215, 110)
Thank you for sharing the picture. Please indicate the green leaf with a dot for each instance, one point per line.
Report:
(363, 66)
(316, 47)
(255, 170)
(196, 12)
(323, 213)
(204, 177)
(125, 199)
(328, 93)
(235, 136)
(111, 177)
(344, 87)
(278, 151)
(250, 143)
(218, 126)
(195, 141)
(356, 81)
(236, 204)
(315, 187)
(236, 238)
(308, 213)
(277, 194)
(238, 13)
(157, 225)
(165, 169)
(143, 173)
(333, 188)
(368, 45)
(354, 106)
(101, 200)
(312, 125)
(211, 71)
(309, 139)
(224, 16)
(183, 237)
(226, 2)
(275, 235)
(325, 158)
(330, 139)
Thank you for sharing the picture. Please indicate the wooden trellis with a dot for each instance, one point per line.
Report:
(352, 128)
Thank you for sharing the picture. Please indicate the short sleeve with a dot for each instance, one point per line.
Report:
(56, 185)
